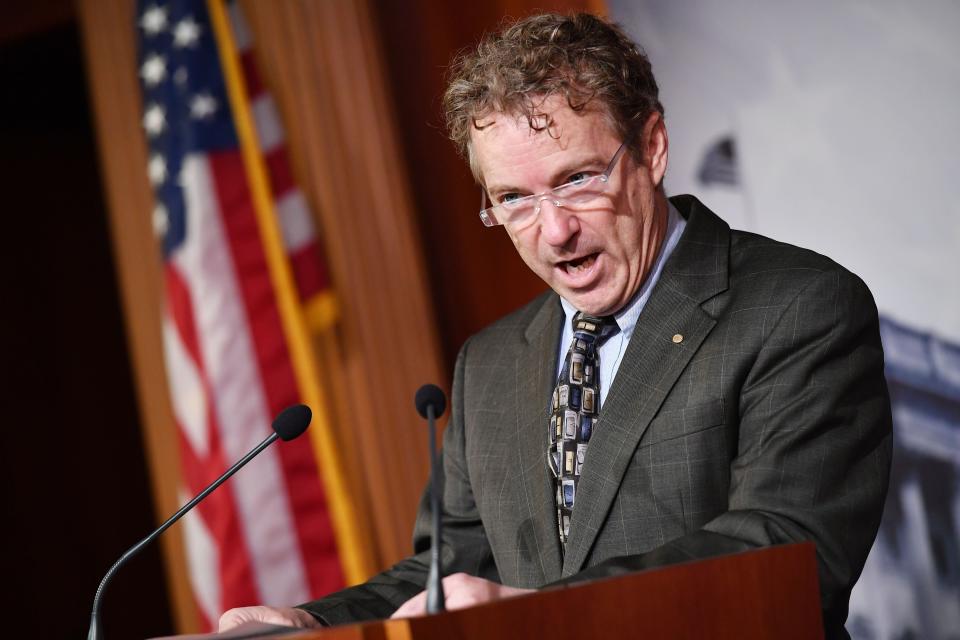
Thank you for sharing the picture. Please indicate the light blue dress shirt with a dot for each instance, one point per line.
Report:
(611, 351)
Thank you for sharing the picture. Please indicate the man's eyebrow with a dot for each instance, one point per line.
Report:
(587, 162)
(560, 176)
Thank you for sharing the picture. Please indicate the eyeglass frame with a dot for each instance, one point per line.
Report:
(489, 219)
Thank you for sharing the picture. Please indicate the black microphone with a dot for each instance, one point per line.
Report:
(291, 422)
(430, 403)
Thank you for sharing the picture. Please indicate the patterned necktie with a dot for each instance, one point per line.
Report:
(574, 409)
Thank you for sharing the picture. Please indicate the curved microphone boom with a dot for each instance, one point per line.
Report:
(430, 403)
(290, 423)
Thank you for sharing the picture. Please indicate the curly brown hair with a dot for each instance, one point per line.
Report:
(581, 57)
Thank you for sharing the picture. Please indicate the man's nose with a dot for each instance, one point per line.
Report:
(557, 222)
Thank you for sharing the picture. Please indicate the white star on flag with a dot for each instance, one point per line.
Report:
(154, 20)
(154, 120)
(202, 105)
(160, 219)
(157, 169)
(186, 33)
(154, 69)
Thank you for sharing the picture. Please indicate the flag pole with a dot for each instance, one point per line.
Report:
(352, 541)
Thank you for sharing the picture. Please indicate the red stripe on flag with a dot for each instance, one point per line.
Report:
(180, 308)
(309, 270)
(222, 519)
(306, 495)
(281, 175)
(203, 621)
(219, 511)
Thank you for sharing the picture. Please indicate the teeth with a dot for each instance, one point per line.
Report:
(581, 264)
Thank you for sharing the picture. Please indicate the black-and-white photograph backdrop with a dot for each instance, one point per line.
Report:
(834, 126)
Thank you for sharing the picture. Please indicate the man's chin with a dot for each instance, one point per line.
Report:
(591, 304)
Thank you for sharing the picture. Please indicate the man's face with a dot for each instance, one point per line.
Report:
(596, 258)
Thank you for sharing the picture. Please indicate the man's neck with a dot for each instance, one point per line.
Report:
(655, 234)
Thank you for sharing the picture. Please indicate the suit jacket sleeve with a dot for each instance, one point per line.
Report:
(813, 452)
(465, 545)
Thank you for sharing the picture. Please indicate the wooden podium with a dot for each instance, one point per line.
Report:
(767, 593)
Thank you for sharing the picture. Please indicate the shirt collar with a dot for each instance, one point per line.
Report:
(627, 317)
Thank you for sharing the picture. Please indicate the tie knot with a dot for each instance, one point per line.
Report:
(599, 327)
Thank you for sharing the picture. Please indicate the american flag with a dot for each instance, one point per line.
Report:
(265, 536)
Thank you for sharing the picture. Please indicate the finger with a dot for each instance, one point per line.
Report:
(234, 618)
(415, 606)
(288, 617)
(283, 617)
(464, 599)
(457, 580)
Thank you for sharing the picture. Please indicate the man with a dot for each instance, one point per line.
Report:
(685, 390)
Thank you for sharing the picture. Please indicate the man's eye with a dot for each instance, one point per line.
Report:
(578, 177)
(509, 197)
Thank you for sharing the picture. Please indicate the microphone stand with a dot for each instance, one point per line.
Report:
(96, 633)
(435, 596)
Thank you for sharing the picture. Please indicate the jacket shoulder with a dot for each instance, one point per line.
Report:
(760, 260)
(513, 326)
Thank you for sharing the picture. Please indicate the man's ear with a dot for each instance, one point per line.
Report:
(655, 147)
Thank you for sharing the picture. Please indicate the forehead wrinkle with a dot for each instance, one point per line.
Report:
(509, 143)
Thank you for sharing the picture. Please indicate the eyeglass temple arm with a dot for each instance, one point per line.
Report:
(616, 157)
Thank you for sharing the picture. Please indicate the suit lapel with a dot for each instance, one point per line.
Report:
(694, 273)
(536, 365)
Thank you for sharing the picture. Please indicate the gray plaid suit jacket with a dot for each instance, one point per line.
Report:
(768, 423)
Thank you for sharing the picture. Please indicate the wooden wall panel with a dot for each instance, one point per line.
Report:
(108, 39)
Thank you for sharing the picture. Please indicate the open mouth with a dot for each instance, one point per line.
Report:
(578, 265)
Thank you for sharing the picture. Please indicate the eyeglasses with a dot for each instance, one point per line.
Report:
(519, 213)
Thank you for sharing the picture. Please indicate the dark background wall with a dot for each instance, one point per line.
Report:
(73, 474)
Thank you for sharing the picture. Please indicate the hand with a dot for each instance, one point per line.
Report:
(462, 590)
(286, 616)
